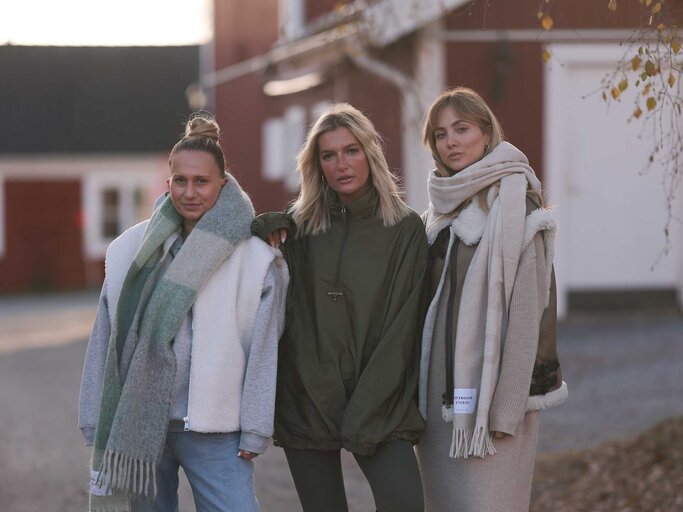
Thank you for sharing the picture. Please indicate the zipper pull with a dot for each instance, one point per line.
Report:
(186, 421)
(343, 210)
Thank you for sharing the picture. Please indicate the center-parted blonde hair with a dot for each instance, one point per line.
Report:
(310, 209)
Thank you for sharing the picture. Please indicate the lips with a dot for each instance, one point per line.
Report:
(453, 156)
(345, 180)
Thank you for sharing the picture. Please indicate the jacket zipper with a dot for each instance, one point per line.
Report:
(337, 293)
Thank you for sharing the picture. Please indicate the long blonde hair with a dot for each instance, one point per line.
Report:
(311, 208)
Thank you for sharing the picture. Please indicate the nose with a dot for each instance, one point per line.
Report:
(189, 190)
(451, 140)
(343, 163)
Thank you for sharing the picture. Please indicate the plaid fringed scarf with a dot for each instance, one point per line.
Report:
(140, 365)
(487, 288)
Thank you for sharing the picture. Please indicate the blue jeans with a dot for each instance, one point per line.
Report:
(220, 480)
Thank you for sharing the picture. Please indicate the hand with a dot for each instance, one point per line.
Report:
(244, 454)
(499, 435)
(277, 237)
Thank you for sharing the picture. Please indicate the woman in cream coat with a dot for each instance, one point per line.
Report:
(489, 360)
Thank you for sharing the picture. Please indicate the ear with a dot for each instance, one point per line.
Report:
(225, 181)
(168, 184)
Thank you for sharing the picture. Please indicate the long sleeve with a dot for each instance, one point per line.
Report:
(388, 382)
(93, 370)
(520, 347)
(258, 395)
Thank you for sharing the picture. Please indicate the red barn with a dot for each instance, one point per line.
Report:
(277, 64)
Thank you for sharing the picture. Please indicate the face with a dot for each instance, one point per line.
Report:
(459, 143)
(194, 184)
(344, 163)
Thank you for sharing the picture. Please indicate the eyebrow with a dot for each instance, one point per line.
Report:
(324, 150)
(459, 121)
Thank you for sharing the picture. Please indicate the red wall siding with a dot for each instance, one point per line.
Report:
(43, 237)
(316, 8)
(243, 29)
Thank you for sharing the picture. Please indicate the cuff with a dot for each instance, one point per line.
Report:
(264, 224)
(254, 443)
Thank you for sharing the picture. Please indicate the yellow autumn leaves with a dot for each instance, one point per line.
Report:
(651, 60)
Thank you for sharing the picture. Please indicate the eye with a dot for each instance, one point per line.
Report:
(178, 179)
(440, 135)
(352, 150)
(462, 129)
(326, 156)
(202, 181)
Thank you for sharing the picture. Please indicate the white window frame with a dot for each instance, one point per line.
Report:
(281, 140)
(291, 18)
(126, 183)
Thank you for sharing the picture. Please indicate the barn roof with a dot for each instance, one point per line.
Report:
(93, 99)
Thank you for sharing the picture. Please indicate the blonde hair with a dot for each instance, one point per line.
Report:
(202, 133)
(471, 108)
(310, 209)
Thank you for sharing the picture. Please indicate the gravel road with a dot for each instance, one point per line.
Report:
(624, 374)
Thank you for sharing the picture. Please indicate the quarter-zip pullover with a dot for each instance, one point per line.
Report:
(347, 375)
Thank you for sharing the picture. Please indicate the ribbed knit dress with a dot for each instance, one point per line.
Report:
(499, 482)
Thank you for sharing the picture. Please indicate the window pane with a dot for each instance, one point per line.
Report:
(111, 201)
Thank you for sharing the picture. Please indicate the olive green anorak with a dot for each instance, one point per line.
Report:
(349, 356)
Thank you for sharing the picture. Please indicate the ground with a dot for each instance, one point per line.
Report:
(596, 452)
(642, 474)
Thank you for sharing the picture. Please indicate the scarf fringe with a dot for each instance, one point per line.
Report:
(475, 442)
(127, 474)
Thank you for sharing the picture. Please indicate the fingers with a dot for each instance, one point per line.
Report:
(499, 435)
(274, 240)
(277, 237)
(246, 455)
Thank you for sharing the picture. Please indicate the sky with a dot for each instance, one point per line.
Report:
(104, 22)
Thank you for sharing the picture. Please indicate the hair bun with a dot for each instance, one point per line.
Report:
(202, 125)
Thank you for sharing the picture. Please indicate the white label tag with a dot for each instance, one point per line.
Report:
(464, 400)
(98, 490)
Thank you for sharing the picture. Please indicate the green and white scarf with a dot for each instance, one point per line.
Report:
(140, 365)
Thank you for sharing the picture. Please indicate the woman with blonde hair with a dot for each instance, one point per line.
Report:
(489, 358)
(348, 370)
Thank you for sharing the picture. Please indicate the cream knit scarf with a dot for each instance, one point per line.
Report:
(140, 364)
(487, 288)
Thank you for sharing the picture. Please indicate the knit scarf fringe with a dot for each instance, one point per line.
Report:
(128, 474)
(475, 442)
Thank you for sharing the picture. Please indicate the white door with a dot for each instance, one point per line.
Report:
(611, 215)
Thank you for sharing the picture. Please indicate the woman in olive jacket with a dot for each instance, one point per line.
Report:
(348, 368)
